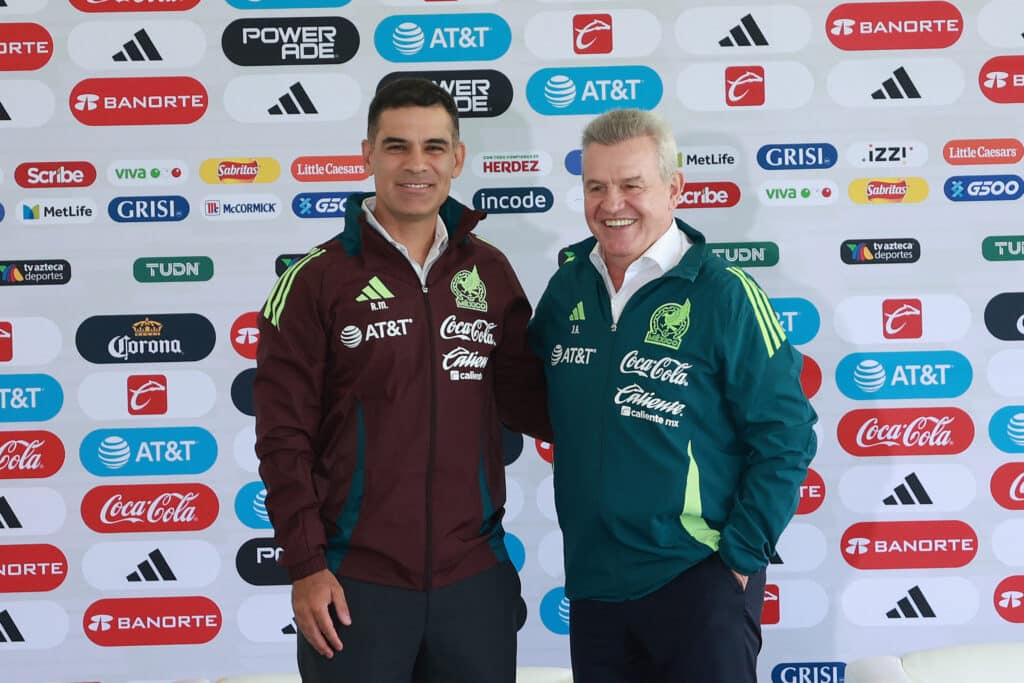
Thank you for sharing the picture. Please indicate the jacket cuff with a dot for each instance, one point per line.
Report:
(741, 562)
(303, 569)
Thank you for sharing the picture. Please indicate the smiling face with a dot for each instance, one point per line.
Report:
(627, 203)
(412, 158)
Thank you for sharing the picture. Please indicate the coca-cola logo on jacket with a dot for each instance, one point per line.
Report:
(1007, 485)
(149, 507)
(186, 620)
(905, 431)
(32, 568)
(31, 454)
(909, 545)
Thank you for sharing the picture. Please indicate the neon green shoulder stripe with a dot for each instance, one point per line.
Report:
(771, 330)
(274, 307)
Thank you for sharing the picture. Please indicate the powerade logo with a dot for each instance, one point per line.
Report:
(251, 506)
(797, 156)
(1004, 316)
(983, 188)
(798, 317)
(1006, 429)
(29, 398)
(442, 37)
(130, 452)
(593, 89)
(906, 374)
(256, 562)
(283, 4)
(152, 209)
(513, 199)
(809, 672)
(554, 611)
(320, 204)
(477, 92)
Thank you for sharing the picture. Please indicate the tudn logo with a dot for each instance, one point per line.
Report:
(560, 91)
(408, 38)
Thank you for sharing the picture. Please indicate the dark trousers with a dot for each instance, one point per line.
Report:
(701, 627)
(462, 633)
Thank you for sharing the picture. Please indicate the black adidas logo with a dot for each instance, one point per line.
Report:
(9, 632)
(775, 559)
(899, 87)
(745, 34)
(289, 630)
(295, 101)
(4, 116)
(8, 520)
(141, 49)
(153, 568)
(910, 492)
(3, 4)
(905, 608)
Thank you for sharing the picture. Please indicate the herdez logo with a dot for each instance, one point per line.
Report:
(894, 25)
(40, 272)
(593, 89)
(243, 170)
(709, 195)
(29, 398)
(24, 47)
(477, 92)
(905, 431)
(809, 672)
(983, 151)
(251, 506)
(148, 209)
(256, 563)
(512, 164)
(35, 568)
(173, 269)
(904, 374)
(134, 5)
(131, 452)
(170, 338)
(513, 199)
(442, 37)
(1002, 79)
(857, 252)
(158, 100)
(1006, 429)
(983, 188)
(909, 545)
(1003, 248)
(320, 204)
(1007, 486)
(1004, 316)
(55, 174)
(30, 454)
(143, 508)
(747, 254)
(329, 169)
(797, 156)
(295, 40)
(888, 190)
(181, 620)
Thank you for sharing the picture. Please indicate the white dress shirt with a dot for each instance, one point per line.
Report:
(440, 241)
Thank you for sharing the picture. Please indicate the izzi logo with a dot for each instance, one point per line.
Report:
(24, 47)
(1004, 316)
(256, 563)
(292, 40)
(147, 172)
(856, 252)
(442, 37)
(513, 199)
(173, 269)
(809, 672)
(593, 89)
(904, 374)
(169, 338)
(797, 156)
(320, 204)
(251, 506)
(983, 188)
(895, 154)
(29, 398)
(148, 209)
(476, 92)
(129, 452)
(38, 272)
(1003, 248)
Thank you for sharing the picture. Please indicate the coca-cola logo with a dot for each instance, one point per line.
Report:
(905, 431)
(479, 331)
(812, 493)
(1007, 485)
(909, 545)
(32, 568)
(149, 507)
(119, 622)
(663, 369)
(30, 454)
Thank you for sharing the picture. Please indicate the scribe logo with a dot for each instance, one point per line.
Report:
(592, 34)
(747, 254)
(33, 568)
(744, 86)
(37, 272)
(476, 92)
(39, 174)
(785, 157)
(880, 251)
(239, 170)
(880, 191)
(329, 169)
(31, 454)
(245, 335)
(442, 37)
(894, 25)
(981, 188)
(983, 151)
(909, 545)
(1009, 599)
(143, 508)
(294, 40)
(905, 431)
(812, 493)
(148, 209)
(157, 100)
(24, 46)
(134, 5)
(180, 620)
(1001, 79)
(1007, 486)
(147, 394)
(593, 89)
(901, 318)
(709, 195)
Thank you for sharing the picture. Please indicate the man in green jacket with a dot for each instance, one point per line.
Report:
(681, 432)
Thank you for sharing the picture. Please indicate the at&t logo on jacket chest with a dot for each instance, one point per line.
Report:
(351, 336)
(571, 355)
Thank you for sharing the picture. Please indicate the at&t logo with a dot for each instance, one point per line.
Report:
(554, 611)
(910, 374)
(442, 37)
(593, 90)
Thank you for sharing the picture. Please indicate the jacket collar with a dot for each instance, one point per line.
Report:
(459, 221)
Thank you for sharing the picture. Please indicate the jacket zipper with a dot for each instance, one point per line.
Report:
(431, 445)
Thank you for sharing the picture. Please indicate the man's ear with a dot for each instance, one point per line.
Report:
(460, 158)
(367, 148)
(675, 186)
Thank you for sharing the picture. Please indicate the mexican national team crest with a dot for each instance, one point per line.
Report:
(469, 290)
(668, 325)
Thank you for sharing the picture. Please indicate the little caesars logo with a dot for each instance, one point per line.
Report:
(469, 290)
(668, 325)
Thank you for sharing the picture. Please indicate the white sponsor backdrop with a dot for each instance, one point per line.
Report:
(870, 108)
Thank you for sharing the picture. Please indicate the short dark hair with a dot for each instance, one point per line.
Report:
(410, 92)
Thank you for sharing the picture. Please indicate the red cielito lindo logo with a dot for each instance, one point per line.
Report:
(120, 622)
(149, 101)
(709, 195)
(1002, 79)
(1007, 485)
(812, 493)
(810, 377)
(30, 454)
(545, 450)
(1009, 599)
(744, 86)
(149, 507)
(245, 335)
(901, 318)
(134, 5)
(894, 25)
(909, 545)
(905, 431)
(770, 611)
(592, 34)
(147, 394)
(36, 174)
(32, 568)
(24, 47)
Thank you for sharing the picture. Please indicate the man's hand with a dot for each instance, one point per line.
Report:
(741, 578)
(311, 597)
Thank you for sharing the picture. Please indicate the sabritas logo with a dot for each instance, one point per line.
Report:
(245, 335)
(1009, 599)
(120, 622)
(1007, 486)
(812, 493)
(909, 545)
(30, 454)
(142, 508)
(159, 100)
(901, 318)
(905, 431)
(134, 5)
(329, 169)
(34, 174)
(888, 190)
(709, 195)
(240, 170)
(1002, 79)
(24, 47)
(744, 86)
(592, 34)
(32, 568)
(983, 151)
(894, 25)
(147, 394)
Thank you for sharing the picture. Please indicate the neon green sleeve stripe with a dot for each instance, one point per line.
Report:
(692, 518)
(770, 341)
(279, 294)
(772, 320)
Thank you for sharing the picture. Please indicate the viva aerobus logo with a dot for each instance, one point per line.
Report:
(173, 269)
(251, 506)
(593, 89)
(442, 37)
(747, 254)
(129, 452)
(179, 620)
(909, 545)
(904, 374)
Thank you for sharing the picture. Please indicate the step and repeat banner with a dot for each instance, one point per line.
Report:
(163, 161)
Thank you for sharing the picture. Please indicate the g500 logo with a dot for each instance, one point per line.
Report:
(668, 324)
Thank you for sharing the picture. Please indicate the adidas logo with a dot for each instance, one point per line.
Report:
(375, 289)
(8, 520)
(4, 116)
(577, 313)
(289, 630)
(153, 568)
(141, 49)
(899, 87)
(775, 559)
(910, 492)
(9, 632)
(295, 101)
(905, 610)
(744, 34)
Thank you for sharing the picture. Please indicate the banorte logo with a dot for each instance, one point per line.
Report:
(1001, 79)
(148, 101)
(329, 169)
(1007, 486)
(909, 545)
(133, 5)
(37, 174)
(709, 195)
(240, 170)
(33, 454)
(905, 431)
(24, 46)
(120, 622)
(142, 508)
(894, 25)
(545, 450)
(34, 568)
(812, 493)
(1009, 599)
(245, 335)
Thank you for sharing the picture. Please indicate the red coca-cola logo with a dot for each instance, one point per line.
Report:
(240, 171)
(30, 454)
(812, 493)
(905, 431)
(909, 545)
(158, 100)
(894, 25)
(545, 450)
(32, 568)
(134, 5)
(149, 507)
(120, 622)
(810, 377)
(24, 47)
(1002, 79)
(1007, 486)
(36, 174)
(1009, 599)
(709, 195)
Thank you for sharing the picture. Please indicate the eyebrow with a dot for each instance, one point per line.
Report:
(631, 179)
(429, 141)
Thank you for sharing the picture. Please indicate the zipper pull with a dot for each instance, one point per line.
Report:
(614, 327)
(424, 288)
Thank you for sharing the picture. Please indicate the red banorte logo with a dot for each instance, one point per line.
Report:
(119, 622)
(770, 611)
(36, 174)
(901, 318)
(905, 431)
(149, 507)
(1007, 485)
(709, 195)
(30, 454)
(238, 171)
(147, 394)
(983, 151)
(545, 450)
(245, 335)
(156, 100)
(744, 86)
(329, 169)
(1002, 79)
(32, 568)
(134, 5)
(810, 377)
(592, 34)
(889, 191)
(909, 545)
(1009, 599)
(812, 493)
(24, 46)
(894, 25)
(6, 341)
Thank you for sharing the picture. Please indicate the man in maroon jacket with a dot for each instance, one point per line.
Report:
(389, 358)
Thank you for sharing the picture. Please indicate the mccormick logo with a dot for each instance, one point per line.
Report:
(55, 174)
(134, 5)
(901, 319)
(709, 195)
(592, 34)
(320, 204)
(24, 47)
(513, 199)
(1002, 79)
(241, 207)
(797, 156)
(1004, 316)
(909, 545)
(149, 451)
(32, 569)
(593, 89)
(744, 86)
(296, 40)
(245, 335)
(1006, 429)
(245, 170)
(1007, 486)
(329, 169)
(881, 251)
(143, 508)
(477, 92)
(903, 374)
(747, 254)
(442, 37)
(888, 190)
(905, 431)
(174, 337)
(160, 100)
(812, 493)
(1009, 599)
(809, 672)
(894, 25)
(150, 209)
(983, 151)
(981, 188)
(147, 394)
(181, 620)
(30, 454)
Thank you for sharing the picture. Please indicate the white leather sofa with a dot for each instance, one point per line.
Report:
(979, 663)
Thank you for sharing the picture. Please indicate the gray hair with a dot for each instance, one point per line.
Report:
(619, 125)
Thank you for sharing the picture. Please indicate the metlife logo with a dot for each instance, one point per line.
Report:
(320, 204)
(903, 375)
(34, 211)
(148, 209)
(593, 90)
(981, 188)
(477, 92)
(442, 37)
(129, 452)
(799, 156)
(290, 41)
